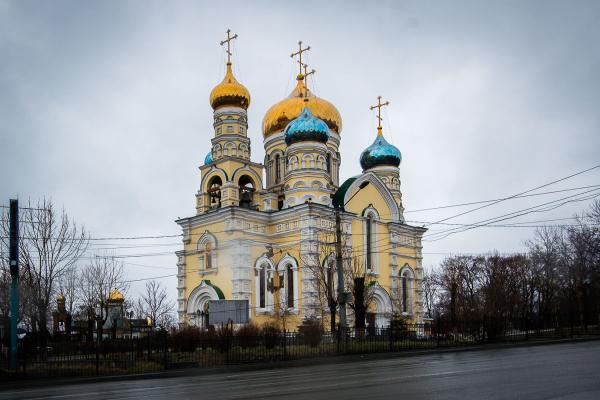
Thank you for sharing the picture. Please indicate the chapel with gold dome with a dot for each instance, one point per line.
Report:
(267, 232)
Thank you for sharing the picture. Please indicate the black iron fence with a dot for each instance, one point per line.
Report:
(195, 348)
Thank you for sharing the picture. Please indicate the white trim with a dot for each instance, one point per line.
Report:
(263, 260)
(385, 192)
(197, 299)
(410, 286)
(372, 211)
(383, 303)
(282, 266)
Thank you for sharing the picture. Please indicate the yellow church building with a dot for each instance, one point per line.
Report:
(263, 232)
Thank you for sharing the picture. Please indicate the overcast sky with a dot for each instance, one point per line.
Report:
(104, 105)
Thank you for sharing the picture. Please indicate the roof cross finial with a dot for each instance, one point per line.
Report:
(299, 54)
(378, 107)
(306, 74)
(228, 41)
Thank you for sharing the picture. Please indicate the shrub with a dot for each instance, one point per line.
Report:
(311, 332)
(186, 339)
(399, 327)
(271, 333)
(248, 335)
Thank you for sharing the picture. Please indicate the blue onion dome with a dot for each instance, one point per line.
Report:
(306, 127)
(380, 153)
(208, 159)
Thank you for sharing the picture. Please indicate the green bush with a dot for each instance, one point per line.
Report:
(248, 335)
(271, 333)
(311, 332)
(186, 339)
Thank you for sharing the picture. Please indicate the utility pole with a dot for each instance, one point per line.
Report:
(339, 261)
(340, 273)
(14, 272)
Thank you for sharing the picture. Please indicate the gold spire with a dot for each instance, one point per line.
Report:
(228, 41)
(299, 54)
(378, 107)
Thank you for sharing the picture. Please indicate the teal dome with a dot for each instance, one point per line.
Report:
(380, 153)
(306, 127)
(208, 159)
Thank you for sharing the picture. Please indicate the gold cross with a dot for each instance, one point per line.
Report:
(228, 41)
(305, 66)
(299, 54)
(378, 107)
(306, 74)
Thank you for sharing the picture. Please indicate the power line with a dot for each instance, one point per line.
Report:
(519, 194)
(516, 214)
(501, 198)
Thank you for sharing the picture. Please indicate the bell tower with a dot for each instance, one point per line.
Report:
(222, 185)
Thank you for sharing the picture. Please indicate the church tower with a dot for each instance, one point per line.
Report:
(383, 159)
(277, 163)
(230, 149)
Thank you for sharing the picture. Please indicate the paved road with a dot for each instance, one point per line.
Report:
(564, 371)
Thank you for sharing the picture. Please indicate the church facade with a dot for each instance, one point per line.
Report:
(266, 232)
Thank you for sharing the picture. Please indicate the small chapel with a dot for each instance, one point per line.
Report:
(267, 232)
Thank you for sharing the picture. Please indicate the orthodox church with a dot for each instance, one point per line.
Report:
(262, 231)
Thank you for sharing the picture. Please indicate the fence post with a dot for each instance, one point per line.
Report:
(166, 349)
(438, 331)
(98, 357)
(284, 344)
(392, 334)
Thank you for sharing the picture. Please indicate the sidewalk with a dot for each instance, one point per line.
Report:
(349, 358)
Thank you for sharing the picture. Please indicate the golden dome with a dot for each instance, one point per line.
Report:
(229, 92)
(278, 116)
(115, 295)
(60, 297)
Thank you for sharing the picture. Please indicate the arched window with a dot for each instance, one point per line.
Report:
(208, 255)
(277, 169)
(246, 191)
(263, 271)
(263, 286)
(370, 234)
(328, 162)
(214, 192)
(406, 279)
(207, 258)
(369, 242)
(290, 286)
(288, 282)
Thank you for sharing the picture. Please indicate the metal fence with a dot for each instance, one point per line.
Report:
(195, 348)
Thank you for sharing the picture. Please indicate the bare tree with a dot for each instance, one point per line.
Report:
(321, 267)
(68, 286)
(50, 244)
(430, 284)
(102, 276)
(155, 304)
(359, 282)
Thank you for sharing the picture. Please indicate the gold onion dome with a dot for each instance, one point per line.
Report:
(60, 297)
(282, 113)
(229, 92)
(115, 295)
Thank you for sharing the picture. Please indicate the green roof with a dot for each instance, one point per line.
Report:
(338, 197)
(217, 289)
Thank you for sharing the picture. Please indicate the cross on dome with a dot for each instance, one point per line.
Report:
(306, 74)
(228, 41)
(299, 54)
(378, 107)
